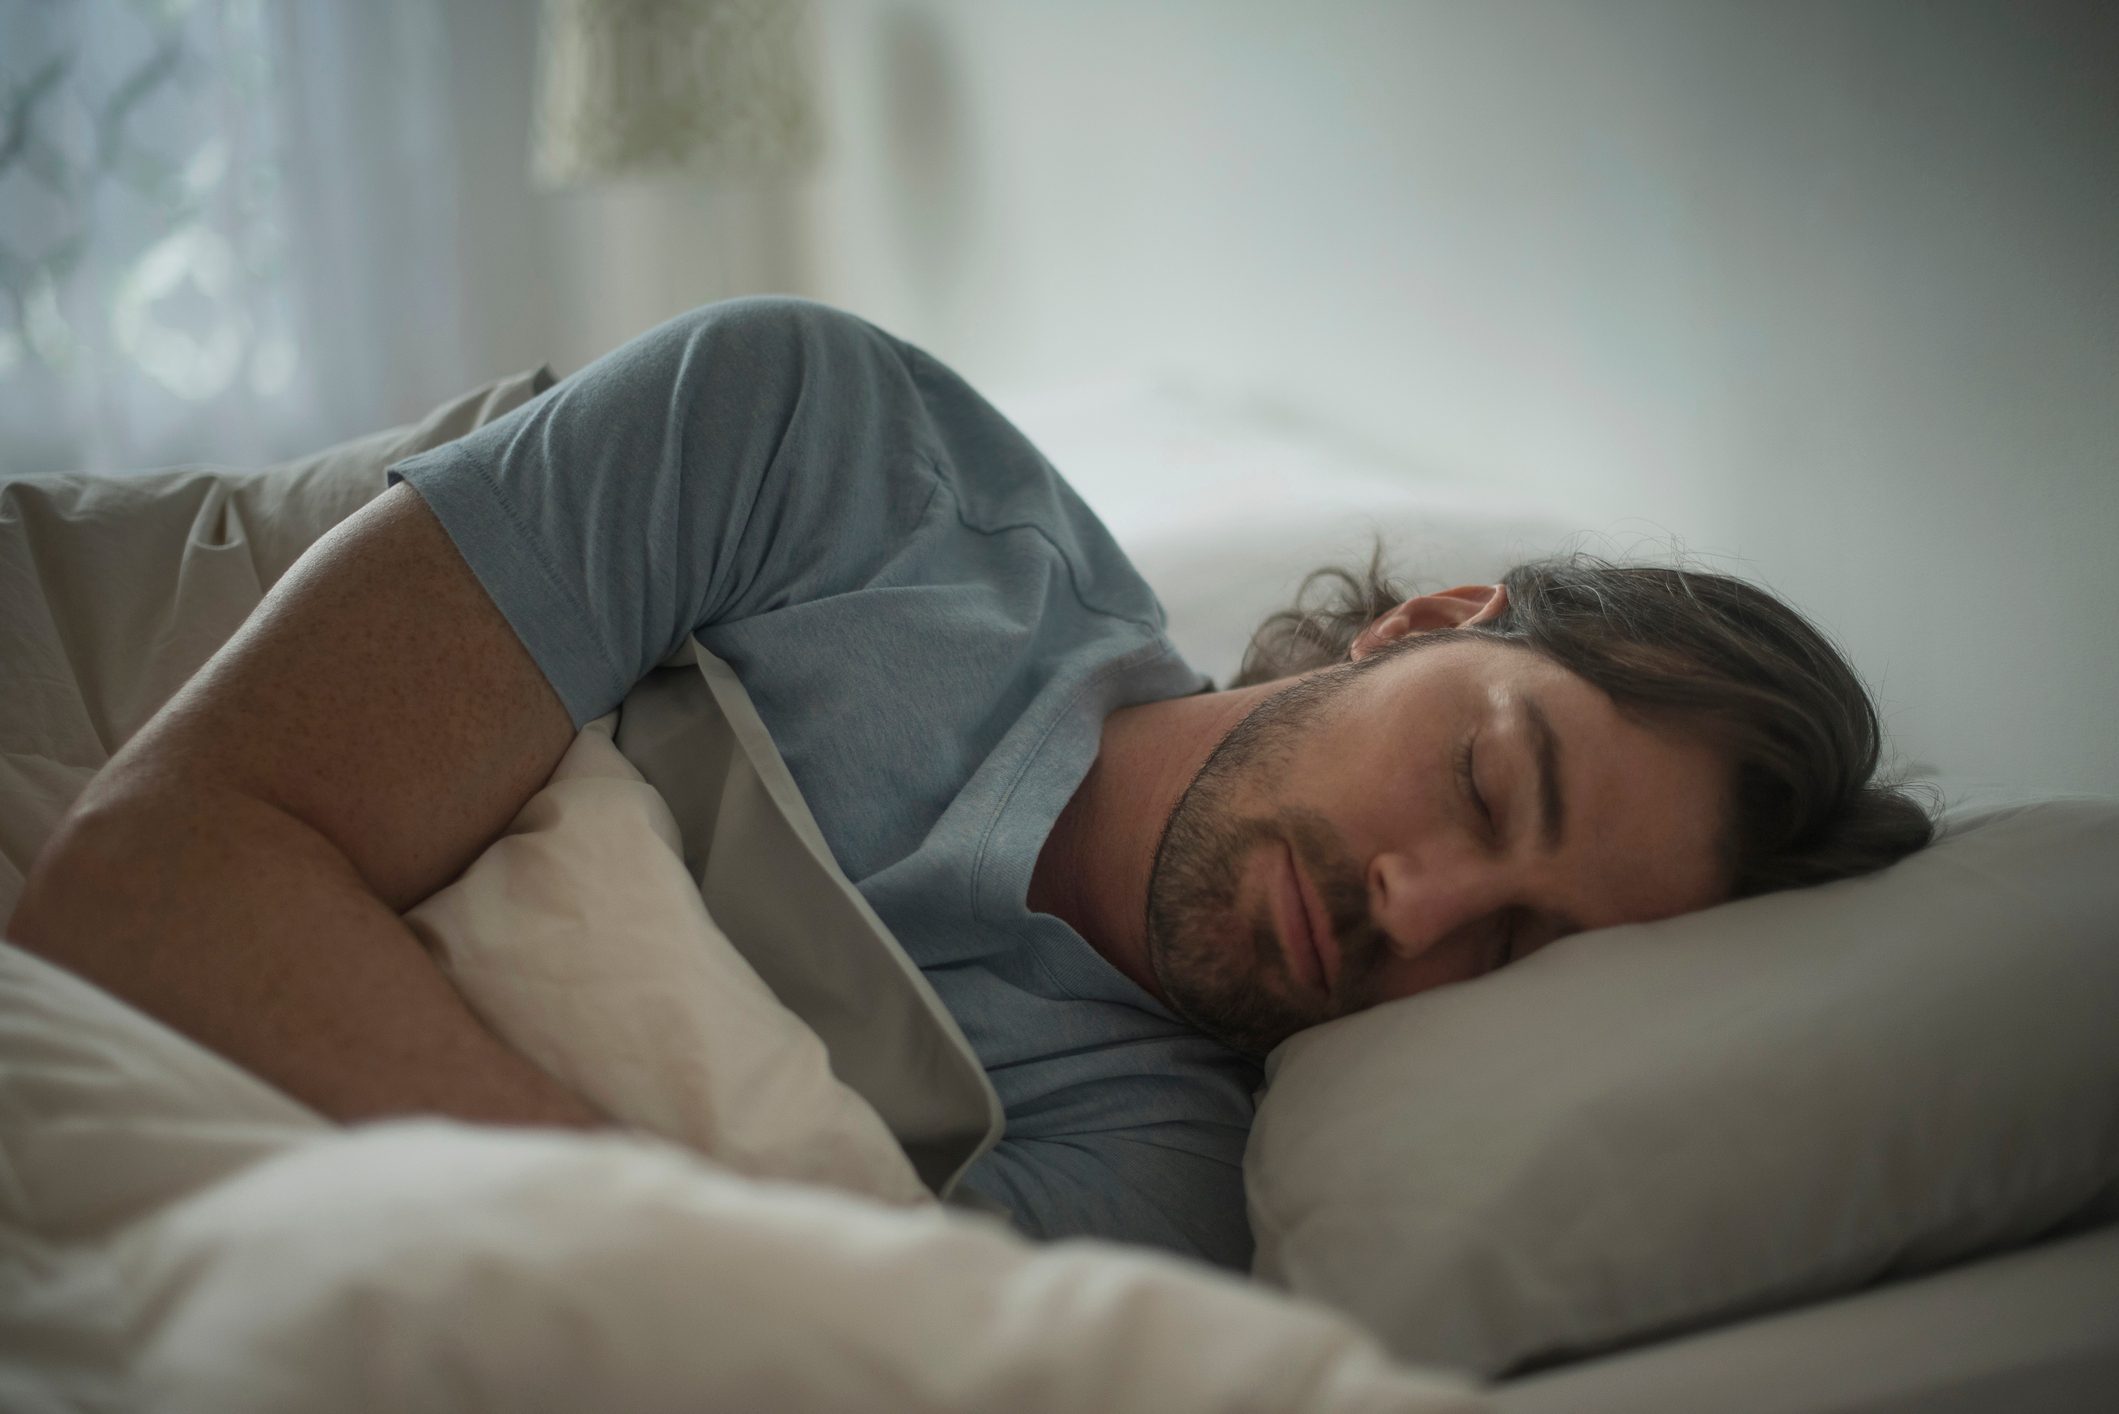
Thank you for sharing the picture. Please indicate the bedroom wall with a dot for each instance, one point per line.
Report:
(1826, 293)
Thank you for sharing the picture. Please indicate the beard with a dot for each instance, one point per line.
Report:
(1224, 971)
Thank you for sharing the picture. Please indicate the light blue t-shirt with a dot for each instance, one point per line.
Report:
(933, 627)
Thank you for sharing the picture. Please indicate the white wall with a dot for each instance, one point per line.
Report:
(1825, 291)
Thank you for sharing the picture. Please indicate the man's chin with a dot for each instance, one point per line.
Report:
(1252, 1035)
(1227, 1008)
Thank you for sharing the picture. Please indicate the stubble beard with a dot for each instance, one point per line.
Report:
(1222, 971)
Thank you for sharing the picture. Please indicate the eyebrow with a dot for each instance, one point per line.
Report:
(1546, 749)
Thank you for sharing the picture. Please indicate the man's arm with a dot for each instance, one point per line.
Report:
(238, 868)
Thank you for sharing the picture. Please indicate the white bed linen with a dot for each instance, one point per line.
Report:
(176, 1236)
(426, 1267)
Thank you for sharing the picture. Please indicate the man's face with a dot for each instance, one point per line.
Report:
(1332, 853)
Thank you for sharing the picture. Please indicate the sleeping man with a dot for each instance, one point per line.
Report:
(1125, 885)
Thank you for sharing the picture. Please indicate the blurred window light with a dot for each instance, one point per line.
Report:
(143, 285)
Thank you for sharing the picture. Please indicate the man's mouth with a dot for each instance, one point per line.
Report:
(1311, 951)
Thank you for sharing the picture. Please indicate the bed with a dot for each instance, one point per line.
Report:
(1851, 1148)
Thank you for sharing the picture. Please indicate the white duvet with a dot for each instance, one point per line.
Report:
(179, 1236)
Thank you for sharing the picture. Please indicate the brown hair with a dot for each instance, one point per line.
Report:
(1711, 654)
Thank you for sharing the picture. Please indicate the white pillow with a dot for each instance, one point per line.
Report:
(580, 938)
(577, 935)
(1645, 1129)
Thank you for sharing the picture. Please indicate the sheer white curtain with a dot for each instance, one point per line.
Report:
(230, 230)
(236, 230)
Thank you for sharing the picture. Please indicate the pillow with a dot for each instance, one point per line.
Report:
(1224, 506)
(1646, 1129)
(579, 937)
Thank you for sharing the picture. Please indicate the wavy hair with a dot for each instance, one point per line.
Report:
(1707, 654)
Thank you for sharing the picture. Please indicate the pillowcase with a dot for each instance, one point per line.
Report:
(579, 937)
(1646, 1129)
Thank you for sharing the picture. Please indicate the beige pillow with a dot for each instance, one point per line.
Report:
(580, 938)
(1647, 1129)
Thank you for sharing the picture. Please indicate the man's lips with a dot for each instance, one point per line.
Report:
(1312, 951)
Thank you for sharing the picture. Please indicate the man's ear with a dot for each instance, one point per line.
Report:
(1461, 607)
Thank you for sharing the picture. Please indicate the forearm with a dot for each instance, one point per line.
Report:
(237, 924)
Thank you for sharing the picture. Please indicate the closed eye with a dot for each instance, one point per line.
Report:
(1469, 778)
(1471, 784)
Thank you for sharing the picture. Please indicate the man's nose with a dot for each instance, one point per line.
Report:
(1419, 902)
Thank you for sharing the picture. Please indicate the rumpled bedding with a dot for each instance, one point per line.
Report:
(175, 1234)
(180, 1236)
(579, 938)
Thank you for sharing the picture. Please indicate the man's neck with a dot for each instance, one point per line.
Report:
(1094, 868)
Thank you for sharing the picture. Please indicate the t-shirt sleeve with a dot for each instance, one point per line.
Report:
(745, 456)
(1165, 1186)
